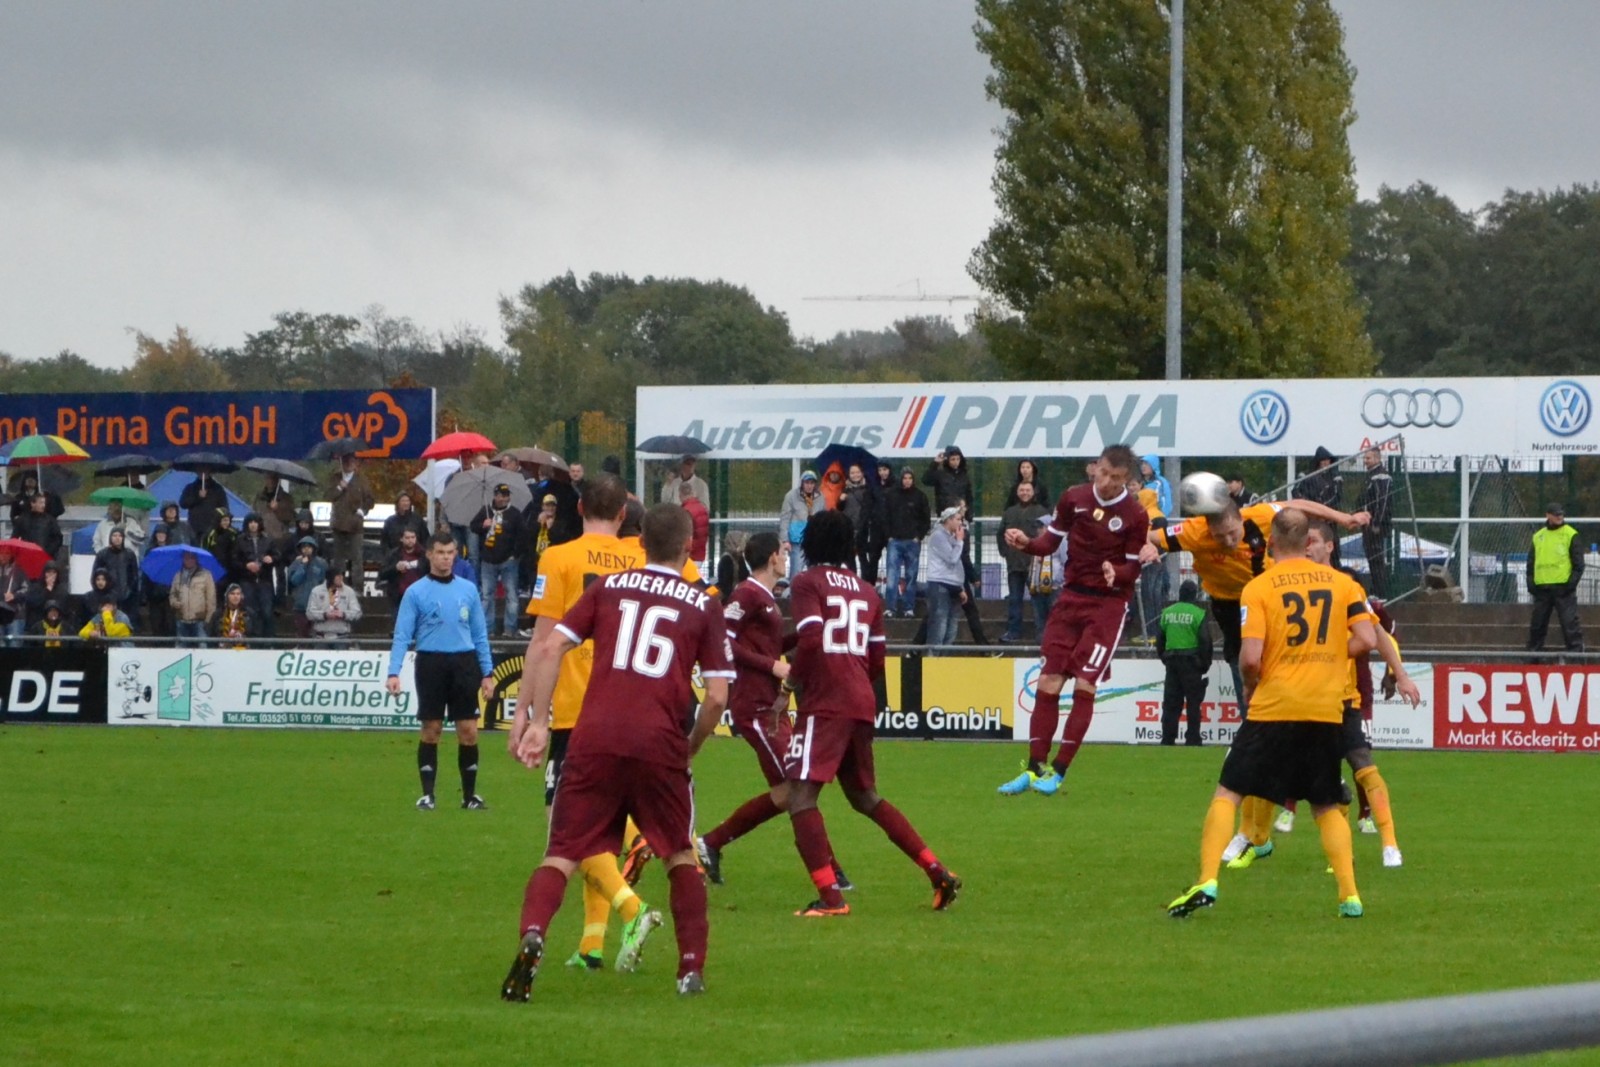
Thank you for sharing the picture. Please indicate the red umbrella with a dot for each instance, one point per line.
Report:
(452, 445)
(30, 557)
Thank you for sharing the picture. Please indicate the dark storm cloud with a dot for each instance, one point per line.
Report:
(346, 87)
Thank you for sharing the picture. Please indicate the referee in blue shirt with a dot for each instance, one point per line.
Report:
(443, 616)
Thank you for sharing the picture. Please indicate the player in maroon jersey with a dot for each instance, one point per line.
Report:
(628, 755)
(755, 627)
(838, 651)
(1105, 527)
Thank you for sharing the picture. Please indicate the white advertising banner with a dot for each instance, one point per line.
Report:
(1127, 707)
(224, 687)
(1249, 417)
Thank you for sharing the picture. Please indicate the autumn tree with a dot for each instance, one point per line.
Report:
(176, 365)
(1076, 261)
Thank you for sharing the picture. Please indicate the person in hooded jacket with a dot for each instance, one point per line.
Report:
(254, 554)
(121, 563)
(1324, 485)
(950, 481)
(307, 571)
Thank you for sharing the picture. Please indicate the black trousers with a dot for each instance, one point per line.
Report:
(1185, 685)
(1564, 602)
(1373, 543)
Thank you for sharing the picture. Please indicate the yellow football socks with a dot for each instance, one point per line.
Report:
(603, 890)
(1378, 800)
(1255, 819)
(1214, 837)
(1335, 830)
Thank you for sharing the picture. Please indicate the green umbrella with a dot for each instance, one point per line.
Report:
(126, 495)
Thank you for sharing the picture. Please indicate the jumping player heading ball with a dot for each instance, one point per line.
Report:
(1104, 526)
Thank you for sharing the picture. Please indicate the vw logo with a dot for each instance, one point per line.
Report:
(1419, 408)
(1264, 417)
(1564, 408)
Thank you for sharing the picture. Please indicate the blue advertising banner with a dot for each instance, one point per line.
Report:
(398, 422)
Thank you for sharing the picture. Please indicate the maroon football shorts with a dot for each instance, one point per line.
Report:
(598, 792)
(1081, 636)
(825, 748)
(769, 746)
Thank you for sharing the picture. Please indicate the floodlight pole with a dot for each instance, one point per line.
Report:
(1175, 218)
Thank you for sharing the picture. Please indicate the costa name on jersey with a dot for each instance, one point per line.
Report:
(839, 647)
(649, 627)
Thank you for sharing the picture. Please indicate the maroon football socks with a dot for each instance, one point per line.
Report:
(542, 897)
(749, 815)
(903, 834)
(1042, 727)
(811, 840)
(1078, 720)
(688, 893)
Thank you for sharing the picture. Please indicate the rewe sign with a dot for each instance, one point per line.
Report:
(1517, 708)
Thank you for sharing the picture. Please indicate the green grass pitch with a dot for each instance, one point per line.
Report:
(269, 897)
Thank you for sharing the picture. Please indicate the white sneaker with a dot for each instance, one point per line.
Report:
(1235, 848)
(1391, 856)
(1367, 826)
(1285, 822)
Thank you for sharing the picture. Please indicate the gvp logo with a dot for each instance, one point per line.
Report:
(1264, 417)
(383, 426)
(1564, 408)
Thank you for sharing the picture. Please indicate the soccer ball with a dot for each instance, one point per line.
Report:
(1203, 493)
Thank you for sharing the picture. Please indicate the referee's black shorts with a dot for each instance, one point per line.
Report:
(1283, 760)
(447, 685)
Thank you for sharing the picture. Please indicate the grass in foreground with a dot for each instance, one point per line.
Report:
(264, 897)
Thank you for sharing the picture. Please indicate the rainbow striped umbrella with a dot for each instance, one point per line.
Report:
(41, 448)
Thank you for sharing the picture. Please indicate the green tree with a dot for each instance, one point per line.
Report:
(1076, 260)
(65, 372)
(1412, 257)
(1534, 291)
(301, 351)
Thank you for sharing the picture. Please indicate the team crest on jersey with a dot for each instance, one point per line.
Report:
(1175, 529)
(538, 587)
(1099, 513)
(734, 611)
(1115, 524)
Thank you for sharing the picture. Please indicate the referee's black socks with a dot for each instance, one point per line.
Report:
(467, 760)
(427, 764)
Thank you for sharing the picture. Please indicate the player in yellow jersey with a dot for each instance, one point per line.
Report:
(1228, 549)
(565, 570)
(1300, 623)
(1255, 832)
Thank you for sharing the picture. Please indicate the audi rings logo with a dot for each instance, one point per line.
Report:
(1564, 408)
(1264, 417)
(1412, 408)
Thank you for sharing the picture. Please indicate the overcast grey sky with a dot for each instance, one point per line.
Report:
(207, 164)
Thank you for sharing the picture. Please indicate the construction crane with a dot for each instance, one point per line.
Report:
(897, 298)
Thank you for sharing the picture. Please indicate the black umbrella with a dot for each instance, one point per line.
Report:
(335, 447)
(206, 462)
(122, 466)
(673, 445)
(292, 472)
(59, 480)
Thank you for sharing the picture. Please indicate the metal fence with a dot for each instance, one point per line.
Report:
(1410, 1033)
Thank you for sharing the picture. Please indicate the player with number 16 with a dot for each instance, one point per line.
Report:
(629, 756)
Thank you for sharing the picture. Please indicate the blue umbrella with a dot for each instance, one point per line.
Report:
(161, 565)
